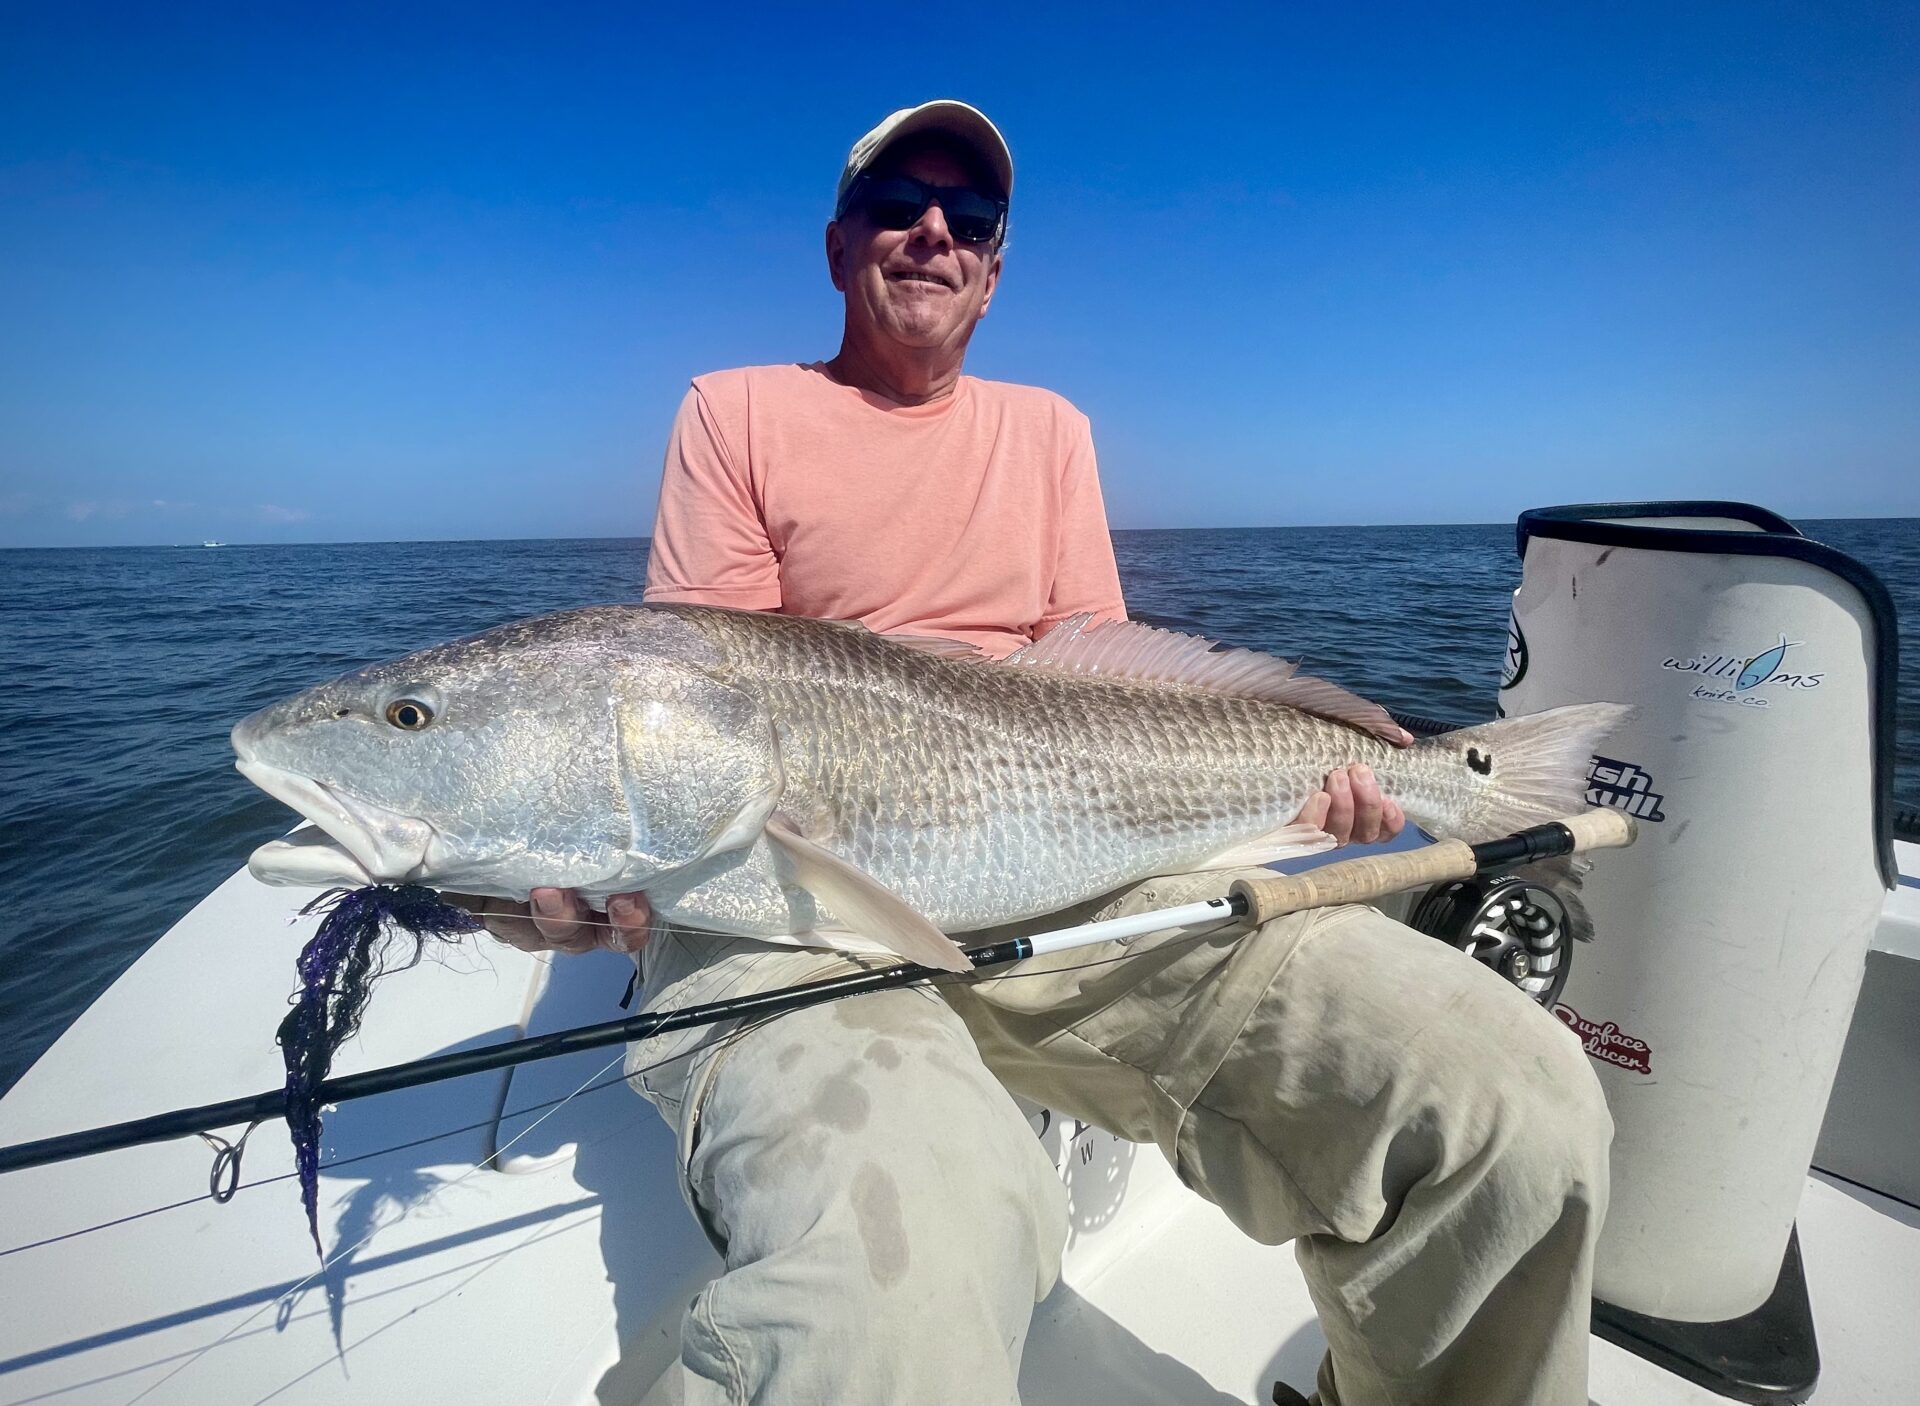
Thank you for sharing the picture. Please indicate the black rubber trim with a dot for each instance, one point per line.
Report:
(1424, 727)
(1770, 1357)
(1592, 516)
(1776, 537)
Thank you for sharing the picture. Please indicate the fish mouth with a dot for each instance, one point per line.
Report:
(307, 858)
(375, 844)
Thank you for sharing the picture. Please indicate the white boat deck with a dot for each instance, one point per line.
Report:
(561, 1280)
(1198, 1314)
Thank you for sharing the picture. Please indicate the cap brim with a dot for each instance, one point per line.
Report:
(958, 120)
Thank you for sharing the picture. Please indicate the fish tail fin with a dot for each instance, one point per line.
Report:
(1566, 876)
(1526, 770)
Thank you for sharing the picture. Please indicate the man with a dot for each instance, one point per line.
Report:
(1433, 1142)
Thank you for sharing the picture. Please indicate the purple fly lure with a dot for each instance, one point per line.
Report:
(337, 970)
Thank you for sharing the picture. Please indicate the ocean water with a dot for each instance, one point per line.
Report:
(124, 670)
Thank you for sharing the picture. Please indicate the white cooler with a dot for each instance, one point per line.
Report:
(1731, 938)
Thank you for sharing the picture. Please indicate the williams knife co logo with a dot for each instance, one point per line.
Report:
(1749, 682)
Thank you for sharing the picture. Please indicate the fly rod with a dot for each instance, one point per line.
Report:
(1257, 900)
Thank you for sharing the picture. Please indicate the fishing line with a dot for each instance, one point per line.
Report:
(231, 1159)
(341, 1255)
(594, 1083)
(589, 1085)
(552, 1103)
(748, 1026)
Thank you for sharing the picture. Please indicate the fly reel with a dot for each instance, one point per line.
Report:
(1516, 926)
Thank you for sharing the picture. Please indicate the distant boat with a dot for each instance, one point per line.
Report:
(213, 544)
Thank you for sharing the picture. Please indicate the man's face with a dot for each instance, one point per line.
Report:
(919, 287)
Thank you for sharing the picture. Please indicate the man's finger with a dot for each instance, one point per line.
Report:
(561, 917)
(1367, 803)
(631, 917)
(1339, 822)
(1314, 811)
(505, 920)
(1392, 818)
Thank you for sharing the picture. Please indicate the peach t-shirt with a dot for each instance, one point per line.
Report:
(976, 518)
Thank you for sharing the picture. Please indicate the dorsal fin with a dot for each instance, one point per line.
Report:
(1126, 649)
(936, 645)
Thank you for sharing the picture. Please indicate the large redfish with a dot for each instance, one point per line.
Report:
(805, 781)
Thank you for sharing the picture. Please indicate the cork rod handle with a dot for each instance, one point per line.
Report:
(1377, 875)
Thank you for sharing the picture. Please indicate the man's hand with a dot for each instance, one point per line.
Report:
(558, 920)
(1352, 810)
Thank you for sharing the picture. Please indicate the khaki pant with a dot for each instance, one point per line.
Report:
(1433, 1143)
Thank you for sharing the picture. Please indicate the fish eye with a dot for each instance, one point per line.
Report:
(409, 714)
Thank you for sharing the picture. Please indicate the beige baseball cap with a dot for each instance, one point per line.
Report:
(966, 124)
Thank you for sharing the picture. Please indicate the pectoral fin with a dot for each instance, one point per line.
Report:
(860, 901)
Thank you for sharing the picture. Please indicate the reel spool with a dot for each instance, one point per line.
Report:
(1516, 926)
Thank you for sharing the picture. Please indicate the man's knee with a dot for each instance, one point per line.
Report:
(1474, 1080)
(867, 1141)
(1516, 1148)
(1514, 1077)
(1547, 1131)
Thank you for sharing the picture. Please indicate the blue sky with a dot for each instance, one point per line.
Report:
(275, 272)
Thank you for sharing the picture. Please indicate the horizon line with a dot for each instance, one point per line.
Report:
(648, 537)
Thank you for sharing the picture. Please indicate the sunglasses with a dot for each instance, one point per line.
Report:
(898, 202)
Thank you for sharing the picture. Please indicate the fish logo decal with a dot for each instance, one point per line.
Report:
(1739, 676)
(1761, 667)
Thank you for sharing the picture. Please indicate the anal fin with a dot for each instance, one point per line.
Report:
(1287, 842)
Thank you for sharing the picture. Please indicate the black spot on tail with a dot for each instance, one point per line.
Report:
(1481, 764)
